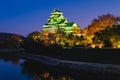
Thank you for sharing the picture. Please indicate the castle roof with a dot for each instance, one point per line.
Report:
(71, 24)
(56, 11)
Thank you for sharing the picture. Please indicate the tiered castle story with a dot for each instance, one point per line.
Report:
(57, 22)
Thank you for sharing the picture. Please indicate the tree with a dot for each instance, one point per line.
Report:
(14, 41)
(76, 30)
(35, 36)
(100, 24)
(110, 37)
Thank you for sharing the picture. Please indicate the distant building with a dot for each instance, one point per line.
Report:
(57, 22)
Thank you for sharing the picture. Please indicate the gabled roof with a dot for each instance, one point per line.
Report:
(70, 24)
(56, 11)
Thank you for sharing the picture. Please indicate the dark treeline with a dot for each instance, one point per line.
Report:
(10, 40)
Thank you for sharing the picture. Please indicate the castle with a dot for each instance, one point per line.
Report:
(57, 22)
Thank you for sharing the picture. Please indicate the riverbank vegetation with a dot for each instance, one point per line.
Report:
(11, 41)
(101, 33)
(59, 34)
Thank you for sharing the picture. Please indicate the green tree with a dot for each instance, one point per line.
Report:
(108, 36)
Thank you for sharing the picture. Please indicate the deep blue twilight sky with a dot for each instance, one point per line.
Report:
(25, 16)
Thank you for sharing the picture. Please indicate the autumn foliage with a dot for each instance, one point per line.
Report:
(100, 24)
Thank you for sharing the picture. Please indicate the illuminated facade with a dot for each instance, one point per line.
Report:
(57, 22)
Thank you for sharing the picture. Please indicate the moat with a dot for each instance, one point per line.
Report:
(14, 68)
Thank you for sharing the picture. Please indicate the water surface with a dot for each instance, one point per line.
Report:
(13, 68)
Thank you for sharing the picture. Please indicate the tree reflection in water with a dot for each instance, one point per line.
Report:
(9, 58)
(43, 72)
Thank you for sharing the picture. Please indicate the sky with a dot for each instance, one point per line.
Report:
(25, 16)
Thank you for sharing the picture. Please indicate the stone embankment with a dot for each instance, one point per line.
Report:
(84, 66)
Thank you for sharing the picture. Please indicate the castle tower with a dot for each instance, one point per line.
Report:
(58, 22)
(56, 18)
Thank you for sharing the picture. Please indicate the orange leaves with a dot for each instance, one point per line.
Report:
(101, 23)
